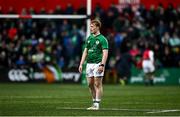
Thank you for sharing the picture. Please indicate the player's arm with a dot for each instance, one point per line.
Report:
(104, 52)
(82, 59)
(103, 62)
(104, 57)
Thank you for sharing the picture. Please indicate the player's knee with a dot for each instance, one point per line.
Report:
(97, 85)
(90, 85)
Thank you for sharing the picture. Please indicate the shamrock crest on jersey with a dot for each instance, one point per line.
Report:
(97, 42)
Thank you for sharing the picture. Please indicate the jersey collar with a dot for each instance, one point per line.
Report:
(96, 35)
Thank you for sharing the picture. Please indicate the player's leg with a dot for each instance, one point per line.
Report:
(98, 86)
(92, 89)
(146, 79)
(98, 78)
(151, 78)
(152, 71)
(90, 81)
(99, 90)
(146, 69)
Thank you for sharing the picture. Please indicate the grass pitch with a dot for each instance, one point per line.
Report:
(72, 100)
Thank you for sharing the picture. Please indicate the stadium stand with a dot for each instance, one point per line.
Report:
(37, 42)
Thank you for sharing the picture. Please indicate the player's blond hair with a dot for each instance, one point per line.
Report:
(96, 22)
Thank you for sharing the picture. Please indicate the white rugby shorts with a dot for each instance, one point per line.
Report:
(148, 66)
(92, 70)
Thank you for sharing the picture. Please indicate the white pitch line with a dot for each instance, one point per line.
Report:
(163, 111)
(121, 109)
(107, 109)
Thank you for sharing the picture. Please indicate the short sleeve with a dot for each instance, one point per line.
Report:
(105, 43)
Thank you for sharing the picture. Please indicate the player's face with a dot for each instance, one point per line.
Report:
(93, 28)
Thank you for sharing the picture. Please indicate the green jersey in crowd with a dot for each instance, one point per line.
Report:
(95, 46)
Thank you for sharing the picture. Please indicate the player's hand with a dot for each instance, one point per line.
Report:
(100, 69)
(80, 68)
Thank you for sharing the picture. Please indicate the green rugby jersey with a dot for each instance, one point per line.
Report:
(95, 45)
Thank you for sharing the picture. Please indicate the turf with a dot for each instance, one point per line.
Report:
(72, 100)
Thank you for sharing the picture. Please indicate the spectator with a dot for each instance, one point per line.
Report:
(69, 9)
(20, 62)
(58, 10)
(123, 67)
(174, 41)
(11, 10)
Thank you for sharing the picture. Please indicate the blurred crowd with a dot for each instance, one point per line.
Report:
(39, 42)
(131, 30)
